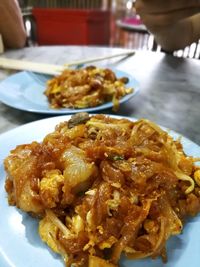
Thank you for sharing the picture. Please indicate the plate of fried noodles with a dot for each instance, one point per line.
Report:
(98, 190)
(88, 89)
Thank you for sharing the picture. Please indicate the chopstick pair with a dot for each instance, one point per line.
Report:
(50, 69)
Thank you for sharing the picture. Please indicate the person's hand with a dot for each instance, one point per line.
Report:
(174, 23)
(156, 14)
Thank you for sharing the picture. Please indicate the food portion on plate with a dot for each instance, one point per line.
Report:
(104, 186)
(85, 88)
(25, 91)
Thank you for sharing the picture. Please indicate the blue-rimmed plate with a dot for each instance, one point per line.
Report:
(25, 91)
(20, 244)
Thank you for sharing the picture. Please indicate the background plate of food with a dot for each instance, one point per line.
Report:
(88, 89)
(159, 223)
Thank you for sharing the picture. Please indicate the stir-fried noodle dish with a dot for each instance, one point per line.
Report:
(103, 187)
(85, 88)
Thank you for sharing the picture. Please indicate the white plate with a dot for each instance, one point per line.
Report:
(20, 244)
(25, 91)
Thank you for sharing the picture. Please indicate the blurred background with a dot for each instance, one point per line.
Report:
(85, 22)
(90, 22)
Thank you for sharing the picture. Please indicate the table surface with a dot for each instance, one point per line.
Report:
(169, 86)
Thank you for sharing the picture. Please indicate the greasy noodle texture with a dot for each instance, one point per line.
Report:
(103, 186)
(87, 87)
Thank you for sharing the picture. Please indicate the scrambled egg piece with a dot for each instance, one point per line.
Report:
(76, 224)
(51, 188)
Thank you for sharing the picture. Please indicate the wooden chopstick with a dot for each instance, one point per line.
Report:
(84, 61)
(14, 64)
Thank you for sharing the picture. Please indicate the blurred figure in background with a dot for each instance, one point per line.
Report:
(174, 23)
(12, 29)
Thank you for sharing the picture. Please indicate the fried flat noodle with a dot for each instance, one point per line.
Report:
(103, 186)
(87, 87)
